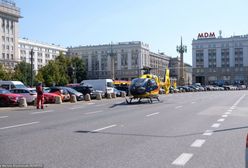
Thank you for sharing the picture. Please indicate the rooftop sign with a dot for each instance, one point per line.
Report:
(206, 35)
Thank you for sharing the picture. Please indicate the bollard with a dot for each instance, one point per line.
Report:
(113, 95)
(109, 96)
(87, 97)
(23, 102)
(98, 96)
(123, 94)
(58, 100)
(73, 99)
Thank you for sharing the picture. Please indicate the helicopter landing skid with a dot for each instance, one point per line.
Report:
(150, 99)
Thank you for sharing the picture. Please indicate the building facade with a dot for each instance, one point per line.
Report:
(174, 67)
(9, 31)
(43, 52)
(122, 61)
(220, 60)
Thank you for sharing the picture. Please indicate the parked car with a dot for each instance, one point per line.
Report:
(84, 89)
(117, 92)
(49, 97)
(11, 84)
(65, 96)
(29, 93)
(8, 99)
(72, 91)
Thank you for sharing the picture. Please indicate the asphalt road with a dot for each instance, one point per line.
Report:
(192, 130)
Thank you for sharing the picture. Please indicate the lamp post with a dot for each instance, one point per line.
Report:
(32, 54)
(181, 49)
(112, 57)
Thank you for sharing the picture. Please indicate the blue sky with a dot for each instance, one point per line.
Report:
(160, 23)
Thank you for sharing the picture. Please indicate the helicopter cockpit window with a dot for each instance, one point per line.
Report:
(138, 82)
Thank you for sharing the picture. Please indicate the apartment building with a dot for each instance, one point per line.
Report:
(122, 61)
(43, 52)
(220, 60)
(9, 31)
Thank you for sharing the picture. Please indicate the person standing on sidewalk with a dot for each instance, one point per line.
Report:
(40, 96)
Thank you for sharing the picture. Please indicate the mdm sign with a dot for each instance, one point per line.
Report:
(206, 35)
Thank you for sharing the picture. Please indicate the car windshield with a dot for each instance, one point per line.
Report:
(20, 86)
(110, 84)
(4, 91)
(70, 90)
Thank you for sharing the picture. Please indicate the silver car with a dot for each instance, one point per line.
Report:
(29, 93)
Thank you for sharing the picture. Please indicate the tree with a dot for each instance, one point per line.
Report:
(3, 73)
(79, 69)
(22, 72)
(61, 71)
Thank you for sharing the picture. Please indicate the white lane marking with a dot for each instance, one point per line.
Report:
(232, 108)
(238, 101)
(221, 120)
(192, 102)
(229, 110)
(198, 143)
(76, 107)
(19, 125)
(182, 159)
(152, 114)
(94, 112)
(227, 113)
(40, 112)
(4, 116)
(208, 132)
(178, 107)
(215, 125)
(224, 116)
(100, 129)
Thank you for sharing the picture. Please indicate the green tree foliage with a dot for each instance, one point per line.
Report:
(60, 71)
(3, 73)
(79, 69)
(22, 72)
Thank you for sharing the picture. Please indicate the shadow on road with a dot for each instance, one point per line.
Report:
(158, 136)
(135, 103)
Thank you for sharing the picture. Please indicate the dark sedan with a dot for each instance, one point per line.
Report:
(78, 95)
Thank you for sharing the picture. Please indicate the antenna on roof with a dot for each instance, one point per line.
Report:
(220, 32)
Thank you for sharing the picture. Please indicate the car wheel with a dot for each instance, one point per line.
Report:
(2, 102)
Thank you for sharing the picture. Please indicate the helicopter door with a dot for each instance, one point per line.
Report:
(151, 85)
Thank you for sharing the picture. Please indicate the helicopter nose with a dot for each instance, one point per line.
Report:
(138, 90)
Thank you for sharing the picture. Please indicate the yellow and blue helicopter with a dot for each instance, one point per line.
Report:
(147, 86)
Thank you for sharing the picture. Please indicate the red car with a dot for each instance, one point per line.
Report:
(49, 97)
(8, 99)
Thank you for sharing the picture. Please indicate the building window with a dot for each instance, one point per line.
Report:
(3, 55)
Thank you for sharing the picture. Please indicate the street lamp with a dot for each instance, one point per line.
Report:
(181, 49)
(32, 54)
(112, 57)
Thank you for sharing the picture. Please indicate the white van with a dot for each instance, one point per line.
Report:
(105, 85)
(11, 84)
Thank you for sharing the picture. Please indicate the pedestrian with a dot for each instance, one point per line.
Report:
(40, 96)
